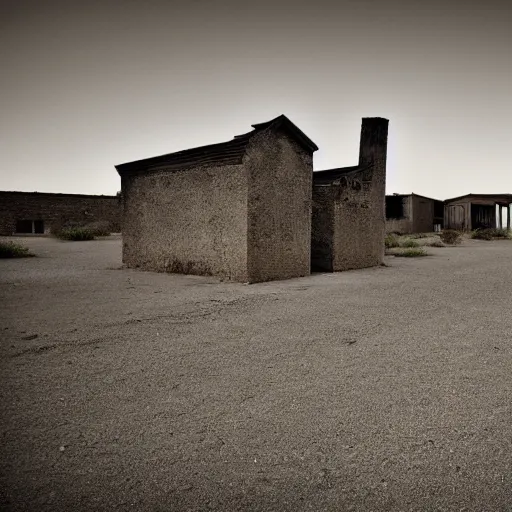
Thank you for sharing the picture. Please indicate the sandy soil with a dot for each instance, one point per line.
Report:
(381, 389)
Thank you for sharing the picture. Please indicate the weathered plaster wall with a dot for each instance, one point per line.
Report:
(279, 207)
(192, 221)
(359, 223)
(57, 209)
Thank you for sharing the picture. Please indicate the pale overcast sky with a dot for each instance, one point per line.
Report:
(86, 85)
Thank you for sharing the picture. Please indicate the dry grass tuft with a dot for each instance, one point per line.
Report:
(413, 252)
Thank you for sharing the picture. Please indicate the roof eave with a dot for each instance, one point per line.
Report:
(509, 196)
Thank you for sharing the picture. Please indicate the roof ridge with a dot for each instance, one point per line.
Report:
(224, 153)
(291, 128)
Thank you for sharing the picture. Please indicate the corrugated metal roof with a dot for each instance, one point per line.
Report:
(414, 194)
(52, 194)
(331, 175)
(224, 153)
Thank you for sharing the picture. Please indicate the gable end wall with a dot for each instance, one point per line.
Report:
(279, 207)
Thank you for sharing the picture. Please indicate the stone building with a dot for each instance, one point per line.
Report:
(412, 213)
(40, 213)
(477, 211)
(240, 210)
(348, 222)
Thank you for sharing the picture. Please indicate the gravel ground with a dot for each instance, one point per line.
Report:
(381, 389)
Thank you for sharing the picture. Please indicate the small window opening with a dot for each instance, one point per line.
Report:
(394, 207)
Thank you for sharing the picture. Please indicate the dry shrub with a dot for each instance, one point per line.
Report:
(451, 237)
(13, 250)
(391, 241)
(75, 234)
(99, 228)
(409, 243)
(491, 234)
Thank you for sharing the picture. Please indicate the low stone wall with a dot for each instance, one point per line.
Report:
(46, 212)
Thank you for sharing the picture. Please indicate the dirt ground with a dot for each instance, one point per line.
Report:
(381, 389)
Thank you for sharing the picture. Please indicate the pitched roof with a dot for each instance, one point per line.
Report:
(287, 126)
(223, 153)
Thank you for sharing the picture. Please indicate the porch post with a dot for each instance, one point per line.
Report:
(509, 211)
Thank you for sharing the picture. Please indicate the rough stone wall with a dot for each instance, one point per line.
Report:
(191, 222)
(279, 207)
(404, 225)
(358, 223)
(322, 229)
(57, 209)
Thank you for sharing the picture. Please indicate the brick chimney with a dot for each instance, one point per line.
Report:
(374, 140)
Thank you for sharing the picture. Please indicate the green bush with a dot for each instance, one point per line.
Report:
(413, 252)
(99, 228)
(75, 234)
(491, 233)
(12, 250)
(482, 234)
(408, 243)
(451, 237)
(502, 233)
(391, 241)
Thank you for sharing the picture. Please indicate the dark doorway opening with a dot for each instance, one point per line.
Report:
(483, 216)
(322, 235)
(39, 227)
(438, 215)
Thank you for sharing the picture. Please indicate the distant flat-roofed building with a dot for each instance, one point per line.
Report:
(39, 213)
(413, 213)
(477, 211)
